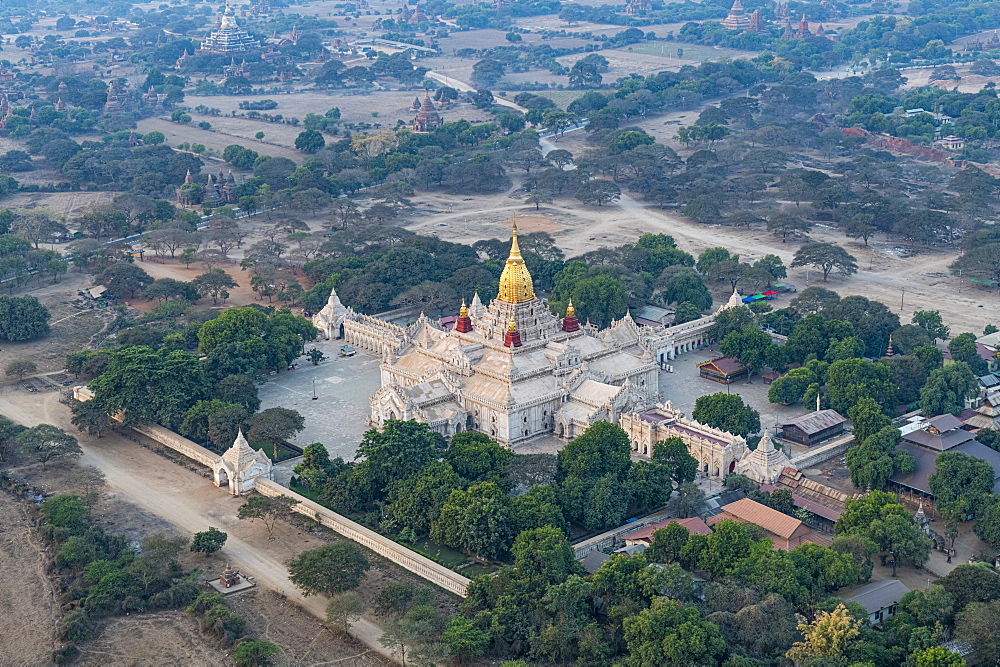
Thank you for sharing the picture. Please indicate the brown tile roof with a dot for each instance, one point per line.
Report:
(693, 525)
(725, 365)
(769, 519)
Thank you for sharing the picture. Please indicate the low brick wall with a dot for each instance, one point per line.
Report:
(168, 438)
(383, 546)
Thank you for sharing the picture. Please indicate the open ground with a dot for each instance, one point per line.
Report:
(149, 494)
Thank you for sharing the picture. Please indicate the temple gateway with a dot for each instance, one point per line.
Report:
(514, 371)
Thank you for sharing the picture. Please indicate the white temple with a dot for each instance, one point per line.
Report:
(513, 370)
(240, 466)
(230, 37)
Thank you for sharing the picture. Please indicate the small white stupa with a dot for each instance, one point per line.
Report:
(331, 317)
(764, 464)
(240, 466)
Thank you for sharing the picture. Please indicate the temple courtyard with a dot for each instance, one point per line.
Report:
(337, 418)
(343, 385)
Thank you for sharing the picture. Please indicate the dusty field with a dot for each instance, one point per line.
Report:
(72, 329)
(969, 83)
(66, 205)
(303, 640)
(169, 497)
(578, 229)
(26, 596)
(164, 638)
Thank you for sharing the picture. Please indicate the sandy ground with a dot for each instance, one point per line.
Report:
(189, 503)
(168, 637)
(27, 599)
(578, 229)
(72, 329)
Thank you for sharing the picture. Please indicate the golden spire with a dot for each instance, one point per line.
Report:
(515, 281)
(570, 311)
(464, 310)
(512, 325)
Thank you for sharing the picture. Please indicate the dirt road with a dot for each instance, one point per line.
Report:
(466, 88)
(188, 501)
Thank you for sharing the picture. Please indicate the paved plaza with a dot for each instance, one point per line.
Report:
(343, 386)
(683, 387)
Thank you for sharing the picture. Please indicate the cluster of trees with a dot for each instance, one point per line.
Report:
(103, 575)
(156, 377)
(465, 495)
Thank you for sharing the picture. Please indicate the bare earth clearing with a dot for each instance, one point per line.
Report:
(172, 498)
(26, 596)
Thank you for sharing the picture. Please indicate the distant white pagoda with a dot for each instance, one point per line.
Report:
(230, 37)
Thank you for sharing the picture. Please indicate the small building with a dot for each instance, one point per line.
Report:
(880, 599)
(814, 427)
(694, 525)
(765, 464)
(240, 466)
(653, 316)
(925, 440)
(427, 119)
(951, 142)
(987, 415)
(593, 561)
(724, 370)
(825, 503)
(786, 532)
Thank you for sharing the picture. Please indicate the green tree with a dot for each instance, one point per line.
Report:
(149, 385)
(790, 387)
(208, 541)
(686, 312)
(309, 141)
(668, 633)
(872, 462)
(45, 442)
(730, 319)
(831, 635)
(935, 656)
(124, 280)
(478, 458)
(253, 653)
(970, 583)
(867, 419)
(879, 517)
(215, 284)
(960, 483)
(947, 389)
(963, 348)
(332, 568)
(728, 413)
(686, 286)
(849, 380)
(537, 198)
(930, 321)
(751, 347)
(987, 526)
(267, 510)
(979, 625)
(825, 257)
(416, 501)
(476, 520)
(463, 639)
(274, 426)
(400, 449)
(598, 191)
(343, 610)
